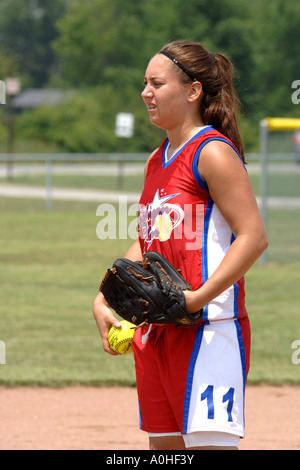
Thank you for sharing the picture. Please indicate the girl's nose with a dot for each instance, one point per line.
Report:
(146, 92)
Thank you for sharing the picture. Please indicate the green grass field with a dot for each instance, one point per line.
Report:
(51, 266)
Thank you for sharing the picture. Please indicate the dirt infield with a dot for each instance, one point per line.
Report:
(84, 418)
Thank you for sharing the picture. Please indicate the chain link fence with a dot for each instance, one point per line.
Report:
(102, 178)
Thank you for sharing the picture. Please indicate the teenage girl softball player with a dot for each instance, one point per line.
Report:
(197, 209)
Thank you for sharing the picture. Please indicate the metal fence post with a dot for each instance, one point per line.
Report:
(49, 197)
(263, 137)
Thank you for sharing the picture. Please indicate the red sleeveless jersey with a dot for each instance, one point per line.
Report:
(179, 219)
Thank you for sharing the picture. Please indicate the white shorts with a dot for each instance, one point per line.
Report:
(215, 397)
(205, 439)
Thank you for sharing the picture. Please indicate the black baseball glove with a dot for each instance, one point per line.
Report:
(145, 292)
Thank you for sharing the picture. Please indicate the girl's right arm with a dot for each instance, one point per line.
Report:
(103, 315)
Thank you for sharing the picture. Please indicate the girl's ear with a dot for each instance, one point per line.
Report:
(195, 92)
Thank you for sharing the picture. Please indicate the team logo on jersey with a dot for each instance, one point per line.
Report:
(159, 219)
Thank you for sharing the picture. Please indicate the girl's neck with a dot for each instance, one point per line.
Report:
(178, 137)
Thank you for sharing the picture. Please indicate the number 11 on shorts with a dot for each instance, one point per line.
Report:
(208, 395)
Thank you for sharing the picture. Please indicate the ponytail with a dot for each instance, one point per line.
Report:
(220, 105)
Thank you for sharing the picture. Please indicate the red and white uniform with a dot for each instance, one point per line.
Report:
(184, 374)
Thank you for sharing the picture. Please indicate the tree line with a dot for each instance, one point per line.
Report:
(99, 49)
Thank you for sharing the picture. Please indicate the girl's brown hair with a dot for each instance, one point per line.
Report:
(220, 105)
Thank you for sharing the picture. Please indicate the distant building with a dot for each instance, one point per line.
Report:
(34, 98)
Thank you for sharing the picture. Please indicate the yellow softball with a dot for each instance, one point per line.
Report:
(120, 339)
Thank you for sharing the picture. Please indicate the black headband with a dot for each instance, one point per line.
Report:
(176, 62)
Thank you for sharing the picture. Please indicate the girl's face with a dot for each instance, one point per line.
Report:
(164, 96)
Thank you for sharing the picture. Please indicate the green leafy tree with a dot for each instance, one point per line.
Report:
(275, 34)
(27, 29)
(100, 48)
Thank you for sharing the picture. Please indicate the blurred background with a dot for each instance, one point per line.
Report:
(70, 68)
(89, 57)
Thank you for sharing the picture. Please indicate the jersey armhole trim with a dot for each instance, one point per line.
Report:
(195, 169)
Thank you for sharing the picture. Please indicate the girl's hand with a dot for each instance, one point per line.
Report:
(105, 320)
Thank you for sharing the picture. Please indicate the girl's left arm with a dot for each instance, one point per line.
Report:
(231, 191)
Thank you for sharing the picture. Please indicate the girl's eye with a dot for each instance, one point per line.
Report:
(156, 84)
